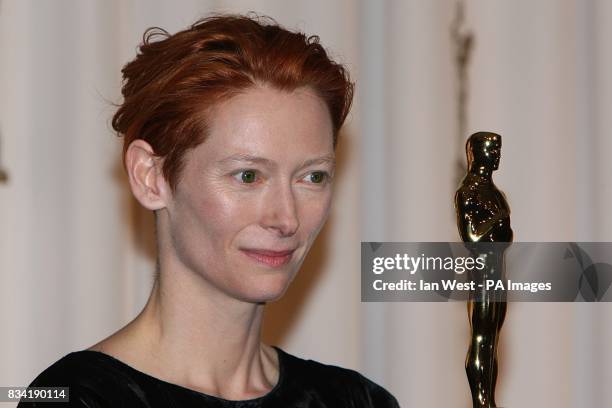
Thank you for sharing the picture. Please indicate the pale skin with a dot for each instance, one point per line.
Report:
(262, 180)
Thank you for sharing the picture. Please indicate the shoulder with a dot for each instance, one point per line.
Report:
(91, 380)
(336, 382)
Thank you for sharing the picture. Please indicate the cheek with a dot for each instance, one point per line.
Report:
(220, 217)
(315, 213)
(205, 223)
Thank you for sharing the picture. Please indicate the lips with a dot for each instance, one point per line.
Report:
(268, 257)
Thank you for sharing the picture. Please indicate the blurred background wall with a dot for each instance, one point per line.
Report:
(76, 251)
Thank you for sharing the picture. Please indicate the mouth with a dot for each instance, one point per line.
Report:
(269, 258)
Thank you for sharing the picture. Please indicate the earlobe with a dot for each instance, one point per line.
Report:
(145, 174)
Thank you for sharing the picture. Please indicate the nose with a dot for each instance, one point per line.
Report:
(280, 211)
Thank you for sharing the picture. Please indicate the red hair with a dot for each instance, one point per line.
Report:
(173, 81)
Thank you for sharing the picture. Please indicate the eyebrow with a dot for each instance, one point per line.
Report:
(242, 158)
(247, 158)
(320, 160)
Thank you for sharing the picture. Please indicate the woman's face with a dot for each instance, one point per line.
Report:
(253, 197)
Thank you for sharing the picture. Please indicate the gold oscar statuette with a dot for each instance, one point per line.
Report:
(483, 216)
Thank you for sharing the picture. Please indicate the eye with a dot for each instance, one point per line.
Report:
(317, 177)
(246, 176)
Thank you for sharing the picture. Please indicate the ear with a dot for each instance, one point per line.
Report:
(144, 170)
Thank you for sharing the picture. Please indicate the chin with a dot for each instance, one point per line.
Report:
(264, 290)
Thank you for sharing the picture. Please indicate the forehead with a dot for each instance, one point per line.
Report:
(263, 117)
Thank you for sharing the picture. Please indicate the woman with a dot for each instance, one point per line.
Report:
(230, 128)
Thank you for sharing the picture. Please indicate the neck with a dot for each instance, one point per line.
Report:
(192, 334)
(188, 324)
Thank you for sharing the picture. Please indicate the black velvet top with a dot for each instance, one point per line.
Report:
(98, 380)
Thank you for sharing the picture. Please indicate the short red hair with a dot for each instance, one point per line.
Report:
(172, 82)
